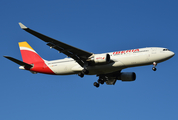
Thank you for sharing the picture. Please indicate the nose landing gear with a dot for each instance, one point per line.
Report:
(154, 66)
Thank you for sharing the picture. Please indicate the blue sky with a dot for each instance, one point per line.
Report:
(96, 26)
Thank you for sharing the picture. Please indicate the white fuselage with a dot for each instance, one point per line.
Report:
(119, 60)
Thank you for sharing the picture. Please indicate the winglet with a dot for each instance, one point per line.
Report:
(22, 26)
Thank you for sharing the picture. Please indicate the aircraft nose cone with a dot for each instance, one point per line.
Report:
(172, 54)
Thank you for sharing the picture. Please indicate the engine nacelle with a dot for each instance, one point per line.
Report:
(127, 76)
(101, 58)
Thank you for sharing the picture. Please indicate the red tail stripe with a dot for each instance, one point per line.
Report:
(39, 65)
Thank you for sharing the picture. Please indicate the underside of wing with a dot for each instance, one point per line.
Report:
(111, 78)
(27, 66)
(80, 56)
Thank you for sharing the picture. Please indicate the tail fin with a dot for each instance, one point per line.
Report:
(29, 55)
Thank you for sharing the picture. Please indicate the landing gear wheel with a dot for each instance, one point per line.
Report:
(96, 84)
(101, 81)
(154, 69)
(81, 74)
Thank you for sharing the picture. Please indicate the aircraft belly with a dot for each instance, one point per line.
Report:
(104, 69)
(63, 69)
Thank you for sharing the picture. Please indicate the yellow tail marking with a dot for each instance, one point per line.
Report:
(25, 44)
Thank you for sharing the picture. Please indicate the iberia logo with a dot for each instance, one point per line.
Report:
(100, 58)
(126, 51)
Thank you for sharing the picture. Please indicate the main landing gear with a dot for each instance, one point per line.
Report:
(81, 74)
(84, 71)
(100, 81)
(96, 84)
(154, 66)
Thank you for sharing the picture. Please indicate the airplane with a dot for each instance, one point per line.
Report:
(107, 66)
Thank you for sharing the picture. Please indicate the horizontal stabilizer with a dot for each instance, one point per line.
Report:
(27, 66)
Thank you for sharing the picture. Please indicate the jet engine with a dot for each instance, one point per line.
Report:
(101, 58)
(127, 76)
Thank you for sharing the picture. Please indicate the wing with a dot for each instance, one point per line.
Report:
(80, 56)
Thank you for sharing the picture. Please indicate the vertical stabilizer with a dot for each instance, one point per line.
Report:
(29, 55)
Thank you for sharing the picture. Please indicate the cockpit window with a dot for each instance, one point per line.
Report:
(166, 50)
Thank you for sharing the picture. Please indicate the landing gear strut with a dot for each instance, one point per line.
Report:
(101, 81)
(154, 66)
(85, 71)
